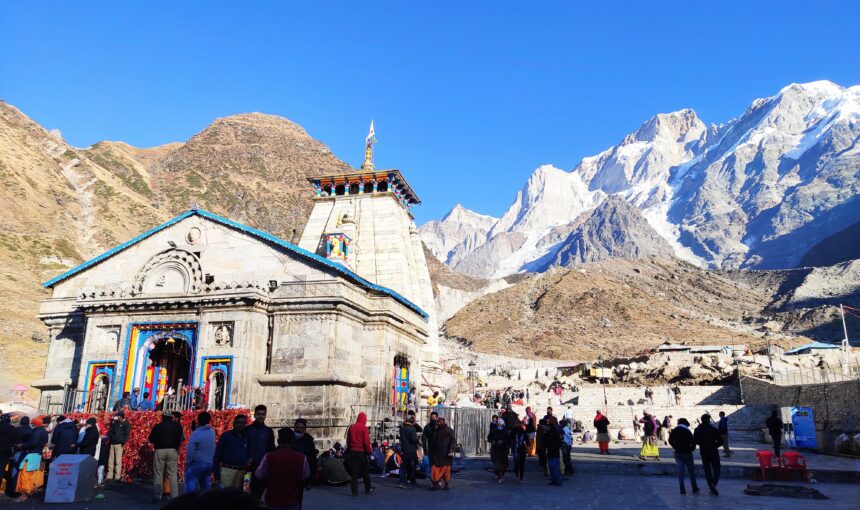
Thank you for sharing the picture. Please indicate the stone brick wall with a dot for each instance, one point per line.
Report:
(836, 406)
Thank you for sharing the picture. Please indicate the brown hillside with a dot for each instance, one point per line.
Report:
(612, 308)
(64, 205)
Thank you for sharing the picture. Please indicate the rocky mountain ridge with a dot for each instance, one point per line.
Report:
(759, 191)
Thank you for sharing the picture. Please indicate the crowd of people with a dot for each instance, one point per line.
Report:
(278, 467)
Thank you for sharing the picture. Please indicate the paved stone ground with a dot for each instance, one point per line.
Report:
(476, 488)
(742, 454)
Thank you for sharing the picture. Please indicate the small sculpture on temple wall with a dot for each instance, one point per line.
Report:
(337, 246)
(223, 335)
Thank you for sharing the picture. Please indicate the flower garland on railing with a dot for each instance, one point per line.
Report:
(138, 452)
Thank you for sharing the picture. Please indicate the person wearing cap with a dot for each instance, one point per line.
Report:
(118, 435)
(166, 439)
(284, 472)
(90, 440)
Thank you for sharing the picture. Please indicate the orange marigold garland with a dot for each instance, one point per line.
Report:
(138, 452)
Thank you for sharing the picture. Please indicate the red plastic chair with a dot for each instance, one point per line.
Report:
(793, 461)
(766, 459)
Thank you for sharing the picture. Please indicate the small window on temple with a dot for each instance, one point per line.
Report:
(382, 186)
(353, 188)
(368, 187)
(340, 189)
(327, 190)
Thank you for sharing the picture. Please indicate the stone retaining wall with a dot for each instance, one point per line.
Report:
(836, 406)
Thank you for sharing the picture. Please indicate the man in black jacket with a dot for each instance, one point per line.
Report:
(774, 426)
(681, 439)
(8, 438)
(90, 441)
(408, 453)
(64, 437)
(166, 438)
(304, 443)
(261, 440)
(118, 435)
(708, 439)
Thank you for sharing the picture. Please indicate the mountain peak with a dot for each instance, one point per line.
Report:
(460, 214)
(248, 127)
(823, 87)
(677, 126)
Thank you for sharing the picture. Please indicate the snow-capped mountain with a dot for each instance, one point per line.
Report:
(460, 232)
(758, 191)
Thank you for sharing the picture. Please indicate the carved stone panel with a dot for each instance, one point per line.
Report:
(222, 333)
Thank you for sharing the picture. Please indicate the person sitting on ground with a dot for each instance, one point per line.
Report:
(377, 465)
(622, 434)
(392, 465)
(587, 437)
(332, 470)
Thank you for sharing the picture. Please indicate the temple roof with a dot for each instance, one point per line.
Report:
(393, 176)
(253, 232)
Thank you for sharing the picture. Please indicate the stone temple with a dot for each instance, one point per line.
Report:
(343, 319)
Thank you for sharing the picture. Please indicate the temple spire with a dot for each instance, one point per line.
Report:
(368, 148)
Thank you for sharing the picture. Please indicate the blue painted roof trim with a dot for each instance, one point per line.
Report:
(248, 230)
(813, 345)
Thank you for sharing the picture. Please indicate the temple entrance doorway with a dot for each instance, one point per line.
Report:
(168, 365)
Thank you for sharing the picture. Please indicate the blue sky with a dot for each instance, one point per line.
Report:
(468, 97)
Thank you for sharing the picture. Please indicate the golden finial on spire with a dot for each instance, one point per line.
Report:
(368, 148)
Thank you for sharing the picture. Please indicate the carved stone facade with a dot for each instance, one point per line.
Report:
(205, 302)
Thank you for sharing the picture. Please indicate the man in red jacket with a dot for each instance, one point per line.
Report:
(284, 472)
(357, 451)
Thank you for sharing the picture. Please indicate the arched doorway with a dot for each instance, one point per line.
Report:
(217, 388)
(168, 364)
(100, 394)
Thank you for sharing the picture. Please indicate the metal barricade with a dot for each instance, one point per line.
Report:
(471, 425)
